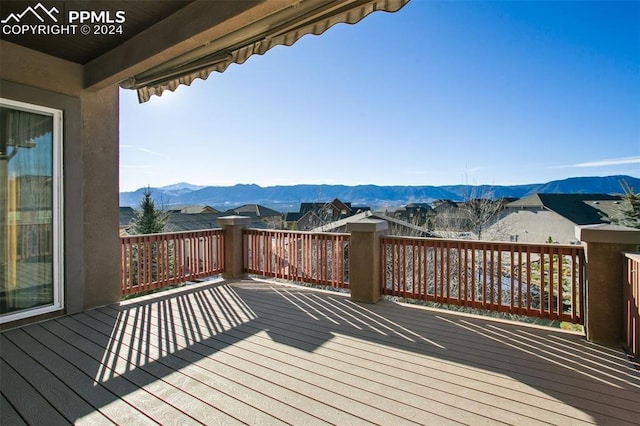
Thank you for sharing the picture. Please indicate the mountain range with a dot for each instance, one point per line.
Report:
(288, 198)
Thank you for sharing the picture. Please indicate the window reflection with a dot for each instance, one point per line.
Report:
(26, 210)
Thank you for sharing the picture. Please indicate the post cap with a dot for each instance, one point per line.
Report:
(367, 225)
(607, 233)
(234, 220)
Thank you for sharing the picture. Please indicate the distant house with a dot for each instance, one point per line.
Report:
(450, 216)
(291, 218)
(444, 205)
(395, 226)
(261, 216)
(540, 217)
(176, 221)
(303, 222)
(192, 209)
(313, 215)
(416, 213)
(198, 217)
(126, 216)
(180, 222)
(334, 209)
(466, 219)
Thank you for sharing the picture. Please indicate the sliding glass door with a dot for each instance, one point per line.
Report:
(30, 210)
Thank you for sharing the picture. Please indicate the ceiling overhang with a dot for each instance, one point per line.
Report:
(280, 27)
(166, 43)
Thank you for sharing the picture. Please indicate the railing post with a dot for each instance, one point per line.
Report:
(604, 246)
(364, 259)
(232, 227)
(632, 304)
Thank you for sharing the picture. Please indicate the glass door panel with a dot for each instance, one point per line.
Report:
(28, 234)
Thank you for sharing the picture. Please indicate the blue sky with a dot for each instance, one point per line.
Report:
(438, 93)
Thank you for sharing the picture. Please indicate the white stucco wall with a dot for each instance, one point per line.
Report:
(531, 225)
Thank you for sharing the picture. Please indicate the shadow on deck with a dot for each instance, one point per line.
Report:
(261, 352)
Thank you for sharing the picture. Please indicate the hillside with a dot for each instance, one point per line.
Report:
(288, 198)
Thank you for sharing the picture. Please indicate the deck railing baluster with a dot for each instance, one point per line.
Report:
(154, 261)
(502, 277)
(315, 258)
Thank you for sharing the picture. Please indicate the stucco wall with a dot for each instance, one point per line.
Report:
(532, 225)
(37, 70)
(90, 138)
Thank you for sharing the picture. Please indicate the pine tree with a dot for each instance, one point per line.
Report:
(148, 219)
(631, 207)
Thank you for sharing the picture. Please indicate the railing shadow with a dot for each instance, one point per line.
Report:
(561, 365)
(160, 342)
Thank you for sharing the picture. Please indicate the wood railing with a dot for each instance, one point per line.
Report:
(316, 258)
(153, 261)
(534, 280)
(631, 296)
(522, 279)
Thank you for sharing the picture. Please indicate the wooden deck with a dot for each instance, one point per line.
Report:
(254, 352)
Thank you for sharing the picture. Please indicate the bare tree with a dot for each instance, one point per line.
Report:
(482, 211)
(473, 215)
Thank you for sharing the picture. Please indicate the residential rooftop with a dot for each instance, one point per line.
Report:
(581, 209)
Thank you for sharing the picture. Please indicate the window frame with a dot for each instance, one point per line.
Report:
(57, 142)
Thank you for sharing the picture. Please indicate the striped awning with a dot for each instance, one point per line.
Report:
(282, 28)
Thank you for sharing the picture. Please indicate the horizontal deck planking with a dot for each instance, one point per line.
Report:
(254, 352)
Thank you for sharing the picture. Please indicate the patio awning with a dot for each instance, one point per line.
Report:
(284, 27)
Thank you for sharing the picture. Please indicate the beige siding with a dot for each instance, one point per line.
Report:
(532, 225)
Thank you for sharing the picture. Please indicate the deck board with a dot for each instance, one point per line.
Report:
(248, 374)
(67, 363)
(259, 352)
(550, 376)
(484, 356)
(31, 405)
(60, 396)
(275, 383)
(194, 392)
(405, 398)
(393, 380)
(9, 415)
(166, 402)
(453, 389)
